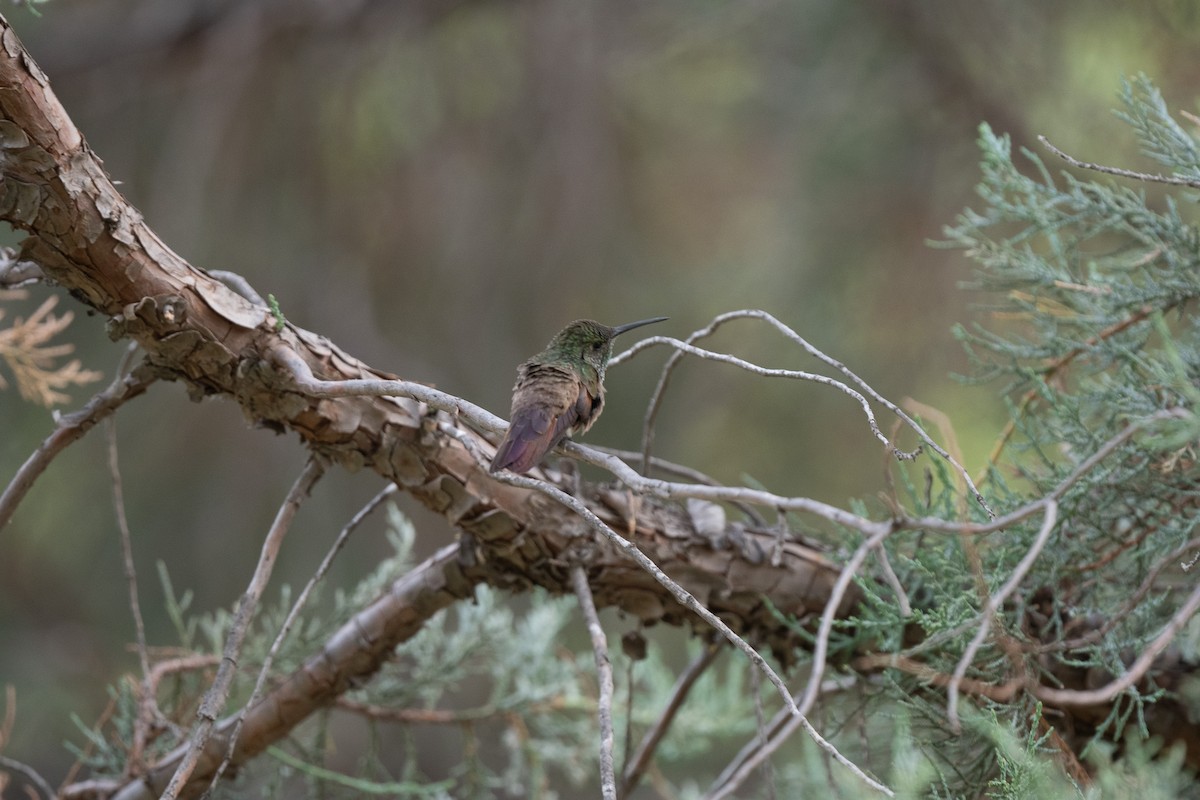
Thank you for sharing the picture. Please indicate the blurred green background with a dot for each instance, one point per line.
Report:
(439, 186)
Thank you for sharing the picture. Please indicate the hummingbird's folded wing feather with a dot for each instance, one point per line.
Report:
(540, 420)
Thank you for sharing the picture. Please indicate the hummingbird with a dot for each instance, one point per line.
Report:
(559, 392)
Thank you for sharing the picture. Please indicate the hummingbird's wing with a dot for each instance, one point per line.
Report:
(547, 405)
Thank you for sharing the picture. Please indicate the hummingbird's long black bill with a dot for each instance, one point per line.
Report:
(628, 326)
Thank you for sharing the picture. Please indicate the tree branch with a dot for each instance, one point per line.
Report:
(604, 679)
(218, 694)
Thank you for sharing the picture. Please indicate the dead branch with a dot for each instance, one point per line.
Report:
(196, 330)
(604, 678)
(218, 694)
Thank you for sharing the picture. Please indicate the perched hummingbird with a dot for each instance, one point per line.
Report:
(559, 392)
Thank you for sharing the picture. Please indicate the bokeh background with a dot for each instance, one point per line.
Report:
(438, 186)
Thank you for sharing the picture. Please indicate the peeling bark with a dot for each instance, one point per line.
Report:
(194, 329)
(88, 239)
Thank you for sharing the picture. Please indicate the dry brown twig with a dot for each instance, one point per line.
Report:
(217, 694)
(148, 711)
(69, 428)
(265, 670)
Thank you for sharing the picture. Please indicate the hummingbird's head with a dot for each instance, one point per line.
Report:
(584, 341)
(589, 342)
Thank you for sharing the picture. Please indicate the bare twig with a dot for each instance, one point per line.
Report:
(294, 612)
(893, 580)
(683, 596)
(1136, 671)
(604, 679)
(1124, 173)
(650, 740)
(820, 356)
(348, 656)
(725, 358)
(664, 379)
(217, 694)
(683, 471)
(30, 774)
(825, 629)
(146, 712)
(1112, 620)
(6, 727)
(70, 428)
(751, 757)
(993, 604)
(192, 662)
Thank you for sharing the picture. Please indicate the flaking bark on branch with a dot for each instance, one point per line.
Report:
(194, 329)
(88, 239)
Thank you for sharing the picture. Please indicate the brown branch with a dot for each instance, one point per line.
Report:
(1003, 693)
(147, 712)
(351, 655)
(443, 716)
(284, 629)
(194, 329)
(218, 694)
